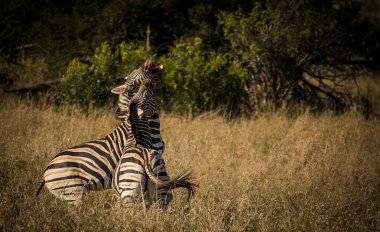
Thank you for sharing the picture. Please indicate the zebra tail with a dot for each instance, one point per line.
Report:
(39, 189)
(184, 180)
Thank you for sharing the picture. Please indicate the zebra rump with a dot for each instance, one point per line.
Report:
(141, 169)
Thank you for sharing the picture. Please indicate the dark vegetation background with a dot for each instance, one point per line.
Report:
(237, 57)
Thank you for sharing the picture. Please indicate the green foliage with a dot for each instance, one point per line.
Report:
(195, 80)
(90, 84)
(278, 42)
(131, 57)
(198, 80)
(73, 85)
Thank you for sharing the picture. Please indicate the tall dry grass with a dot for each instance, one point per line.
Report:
(310, 173)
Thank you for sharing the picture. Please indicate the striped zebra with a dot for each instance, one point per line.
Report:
(127, 88)
(141, 168)
(72, 173)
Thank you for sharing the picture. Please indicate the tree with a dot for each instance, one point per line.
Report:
(296, 52)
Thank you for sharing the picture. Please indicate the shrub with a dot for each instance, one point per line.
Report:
(90, 84)
(195, 80)
(198, 80)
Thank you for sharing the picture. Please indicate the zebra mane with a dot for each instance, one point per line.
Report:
(128, 87)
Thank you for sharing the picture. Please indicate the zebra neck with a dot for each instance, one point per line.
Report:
(142, 133)
(155, 132)
(122, 136)
(154, 123)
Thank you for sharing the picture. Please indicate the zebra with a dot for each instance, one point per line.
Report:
(128, 87)
(72, 173)
(143, 169)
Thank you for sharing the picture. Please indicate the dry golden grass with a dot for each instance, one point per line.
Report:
(310, 173)
(369, 86)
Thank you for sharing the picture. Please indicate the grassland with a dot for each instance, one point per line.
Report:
(275, 173)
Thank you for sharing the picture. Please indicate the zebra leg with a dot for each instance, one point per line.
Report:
(162, 195)
(129, 181)
(73, 194)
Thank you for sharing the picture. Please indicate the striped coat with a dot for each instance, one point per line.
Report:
(91, 165)
(142, 168)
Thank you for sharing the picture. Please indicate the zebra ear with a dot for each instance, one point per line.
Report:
(148, 65)
(140, 112)
(119, 89)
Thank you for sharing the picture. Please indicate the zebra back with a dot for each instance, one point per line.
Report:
(88, 166)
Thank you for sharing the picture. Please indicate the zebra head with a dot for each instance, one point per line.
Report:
(143, 102)
(130, 85)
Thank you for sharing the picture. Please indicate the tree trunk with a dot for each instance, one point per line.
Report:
(148, 36)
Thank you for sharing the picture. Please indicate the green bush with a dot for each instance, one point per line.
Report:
(73, 88)
(90, 84)
(198, 80)
(195, 80)
(132, 57)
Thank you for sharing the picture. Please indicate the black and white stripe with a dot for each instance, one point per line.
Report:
(146, 76)
(90, 166)
(142, 168)
(132, 178)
